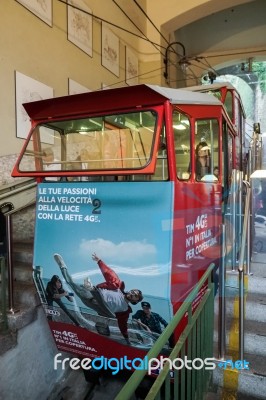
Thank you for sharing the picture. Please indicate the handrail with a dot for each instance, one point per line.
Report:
(10, 195)
(186, 307)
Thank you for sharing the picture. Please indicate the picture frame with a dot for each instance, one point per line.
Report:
(110, 50)
(76, 88)
(42, 9)
(104, 86)
(79, 25)
(27, 90)
(132, 68)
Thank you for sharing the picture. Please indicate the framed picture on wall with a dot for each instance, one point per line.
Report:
(79, 25)
(132, 67)
(42, 9)
(104, 86)
(27, 90)
(110, 50)
(75, 87)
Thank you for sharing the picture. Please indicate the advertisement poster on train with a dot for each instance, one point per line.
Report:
(96, 243)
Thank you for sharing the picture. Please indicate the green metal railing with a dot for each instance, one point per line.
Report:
(196, 342)
(3, 299)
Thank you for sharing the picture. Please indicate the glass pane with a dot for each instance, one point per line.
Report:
(181, 128)
(229, 104)
(121, 141)
(207, 150)
(161, 172)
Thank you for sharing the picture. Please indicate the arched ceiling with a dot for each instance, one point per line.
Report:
(192, 10)
(220, 33)
(235, 29)
(178, 14)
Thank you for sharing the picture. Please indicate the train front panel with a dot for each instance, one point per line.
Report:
(125, 225)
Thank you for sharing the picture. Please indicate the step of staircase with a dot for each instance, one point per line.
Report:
(255, 306)
(73, 386)
(8, 340)
(251, 383)
(22, 271)
(25, 294)
(23, 251)
(20, 317)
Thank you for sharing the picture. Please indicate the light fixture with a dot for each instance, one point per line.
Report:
(179, 127)
(183, 62)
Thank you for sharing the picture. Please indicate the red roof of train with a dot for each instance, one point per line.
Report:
(113, 99)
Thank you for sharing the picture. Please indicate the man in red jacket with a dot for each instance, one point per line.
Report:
(108, 299)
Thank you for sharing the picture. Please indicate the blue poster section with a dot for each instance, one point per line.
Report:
(123, 223)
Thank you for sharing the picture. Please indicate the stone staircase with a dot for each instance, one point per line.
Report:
(244, 384)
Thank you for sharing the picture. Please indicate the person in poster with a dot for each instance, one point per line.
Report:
(108, 299)
(54, 293)
(149, 319)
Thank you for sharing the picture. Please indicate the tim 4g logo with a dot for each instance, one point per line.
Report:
(52, 312)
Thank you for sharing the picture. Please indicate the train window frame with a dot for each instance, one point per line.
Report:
(54, 137)
(162, 165)
(182, 140)
(227, 157)
(207, 143)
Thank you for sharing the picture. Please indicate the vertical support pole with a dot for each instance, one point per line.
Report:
(233, 217)
(248, 230)
(3, 293)
(221, 319)
(9, 265)
(240, 204)
(241, 315)
(241, 273)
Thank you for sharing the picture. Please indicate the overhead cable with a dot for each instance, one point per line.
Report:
(136, 26)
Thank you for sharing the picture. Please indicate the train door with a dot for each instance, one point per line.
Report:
(197, 198)
(232, 202)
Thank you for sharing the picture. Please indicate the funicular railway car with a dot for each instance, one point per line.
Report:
(128, 209)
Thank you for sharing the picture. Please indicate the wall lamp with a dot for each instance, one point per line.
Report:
(183, 62)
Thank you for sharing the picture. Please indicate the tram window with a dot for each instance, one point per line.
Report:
(161, 171)
(181, 128)
(207, 150)
(110, 142)
(227, 160)
(228, 103)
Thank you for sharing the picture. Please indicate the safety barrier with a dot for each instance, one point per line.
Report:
(195, 343)
(3, 310)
